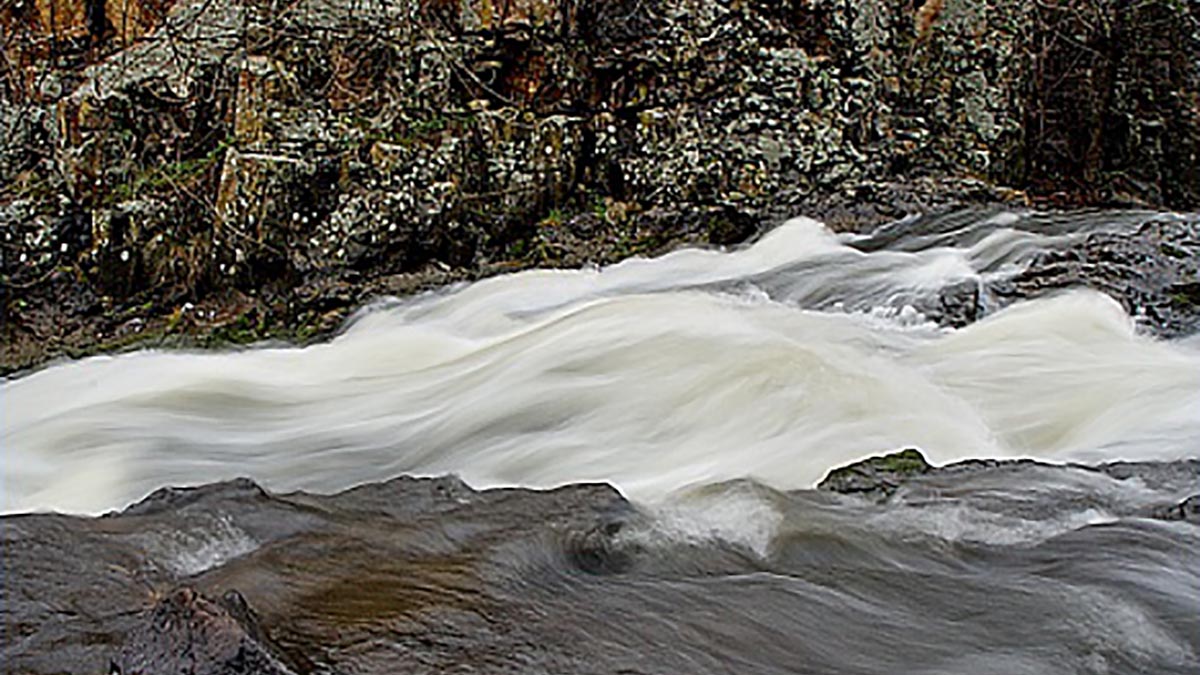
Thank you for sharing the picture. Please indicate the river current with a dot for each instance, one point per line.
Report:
(713, 389)
(775, 362)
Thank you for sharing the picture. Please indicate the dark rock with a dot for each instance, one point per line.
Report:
(877, 477)
(595, 550)
(189, 633)
(1150, 269)
(1188, 509)
(956, 305)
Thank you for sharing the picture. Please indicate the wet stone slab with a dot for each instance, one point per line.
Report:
(429, 575)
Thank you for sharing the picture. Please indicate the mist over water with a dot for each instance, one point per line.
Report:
(775, 362)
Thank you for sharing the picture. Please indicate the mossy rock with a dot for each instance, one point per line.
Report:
(878, 476)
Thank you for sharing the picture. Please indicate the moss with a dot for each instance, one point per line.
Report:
(430, 125)
(599, 207)
(153, 179)
(877, 475)
(903, 462)
(246, 329)
(554, 218)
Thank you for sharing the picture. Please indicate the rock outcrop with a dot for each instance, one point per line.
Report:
(431, 576)
(1152, 269)
(241, 168)
(880, 478)
(877, 476)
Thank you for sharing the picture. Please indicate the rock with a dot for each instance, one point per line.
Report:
(956, 305)
(1148, 262)
(1188, 510)
(427, 575)
(877, 477)
(348, 143)
(228, 578)
(1151, 271)
(595, 551)
(189, 633)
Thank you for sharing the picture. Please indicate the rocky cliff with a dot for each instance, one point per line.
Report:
(234, 169)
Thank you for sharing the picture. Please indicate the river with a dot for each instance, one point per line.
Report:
(713, 389)
(776, 362)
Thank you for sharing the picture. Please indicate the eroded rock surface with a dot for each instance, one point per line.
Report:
(430, 576)
(226, 578)
(187, 632)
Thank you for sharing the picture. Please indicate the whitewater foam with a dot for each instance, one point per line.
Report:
(774, 362)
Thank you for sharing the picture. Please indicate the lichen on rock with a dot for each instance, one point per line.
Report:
(323, 143)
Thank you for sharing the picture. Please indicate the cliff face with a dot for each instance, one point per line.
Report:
(276, 162)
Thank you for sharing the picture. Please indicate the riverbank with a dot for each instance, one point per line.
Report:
(61, 316)
(200, 174)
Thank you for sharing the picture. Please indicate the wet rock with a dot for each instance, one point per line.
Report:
(228, 578)
(596, 551)
(877, 477)
(1154, 474)
(431, 576)
(173, 499)
(1148, 262)
(1151, 271)
(1188, 509)
(956, 305)
(189, 633)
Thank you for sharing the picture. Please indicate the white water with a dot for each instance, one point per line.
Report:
(776, 362)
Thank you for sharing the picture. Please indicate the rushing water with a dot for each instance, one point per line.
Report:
(774, 362)
(712, 388)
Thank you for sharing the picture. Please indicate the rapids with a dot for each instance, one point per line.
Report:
(775, 362)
